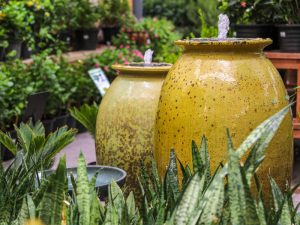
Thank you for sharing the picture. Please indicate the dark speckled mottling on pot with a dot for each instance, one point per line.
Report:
(126, 118)
(214, 86)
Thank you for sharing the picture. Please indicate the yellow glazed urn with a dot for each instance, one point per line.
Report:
(216, 85)
(126, 118)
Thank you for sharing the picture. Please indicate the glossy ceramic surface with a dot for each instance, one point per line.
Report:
(126, 118)
(217, 85)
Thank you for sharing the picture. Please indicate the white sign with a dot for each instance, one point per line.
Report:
(100, 80)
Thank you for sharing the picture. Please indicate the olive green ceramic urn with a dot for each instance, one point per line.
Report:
(216, 85)
(126, 118)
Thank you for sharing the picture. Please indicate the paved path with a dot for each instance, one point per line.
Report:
(83, 143)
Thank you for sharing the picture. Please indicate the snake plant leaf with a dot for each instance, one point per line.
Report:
(117, 198)
(188, 201)
(285, 217)
(269, 126)
(260, 204)
(8, 142)
(253, 161)
(172, 175)
(213, 208)
(261, 212)
(205, 158)
(278, 197)
(83, 192)
(51, 205)
(186, 173)
(111, 215)
(130, 206)
(197, 161)
(241, 203)
(95, 211)
(31, 207)
(155, 175)
(23, 215)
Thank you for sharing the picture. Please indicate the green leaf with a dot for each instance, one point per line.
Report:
(241, 203)
(87, 116)
(172, 175)
(189, 200)
(285, 217)
(56, 141)
(278, 197)
(213, 208)
(8, 142)
(267, 129)
(51, 205)
(83, 192)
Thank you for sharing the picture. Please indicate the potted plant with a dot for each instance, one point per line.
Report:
(16, 21)
(86, 17)
(3, 41)
(251, 19)
(113, 14)
(288, 16)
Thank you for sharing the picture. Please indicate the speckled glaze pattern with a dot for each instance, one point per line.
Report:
(215, 86)
(126, 118)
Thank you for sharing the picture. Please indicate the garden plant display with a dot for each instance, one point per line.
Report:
(202, 197)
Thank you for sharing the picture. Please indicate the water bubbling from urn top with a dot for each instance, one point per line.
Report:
(148, 57)
(223, 26)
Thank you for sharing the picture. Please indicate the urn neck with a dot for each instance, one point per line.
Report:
(228, 45)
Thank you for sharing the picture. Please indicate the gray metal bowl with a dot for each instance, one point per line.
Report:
(106, 174)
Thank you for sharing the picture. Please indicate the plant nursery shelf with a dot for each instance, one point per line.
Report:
(289, 60)
(79, 55)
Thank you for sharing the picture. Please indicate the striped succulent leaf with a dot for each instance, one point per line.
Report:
(51, 205)
(83, 192)
(266, 129)
(212, 210)
(189, 200)
(172, 176)
(241, 203)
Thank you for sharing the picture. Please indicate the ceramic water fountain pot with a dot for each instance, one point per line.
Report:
(219, 84)
(126, 118)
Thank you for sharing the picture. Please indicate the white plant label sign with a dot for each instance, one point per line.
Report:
(100, 80)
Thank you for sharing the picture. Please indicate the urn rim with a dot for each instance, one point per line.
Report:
(226, 43)
(143, 67)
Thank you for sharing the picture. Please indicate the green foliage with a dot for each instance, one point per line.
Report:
(85, 15)
(114, 12)
(87, 116)
(110, 57)
(157, 34)
(287, 11)
(247, 12)
(16, 20)
(68, 84)
(206, 31)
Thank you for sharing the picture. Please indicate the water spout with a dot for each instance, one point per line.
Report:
(223, 26)
(148, 56)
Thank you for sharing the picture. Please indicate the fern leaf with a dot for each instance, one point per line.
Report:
(8, 142)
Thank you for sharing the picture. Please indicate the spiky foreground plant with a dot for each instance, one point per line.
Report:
(222, 198)
(33, 152)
